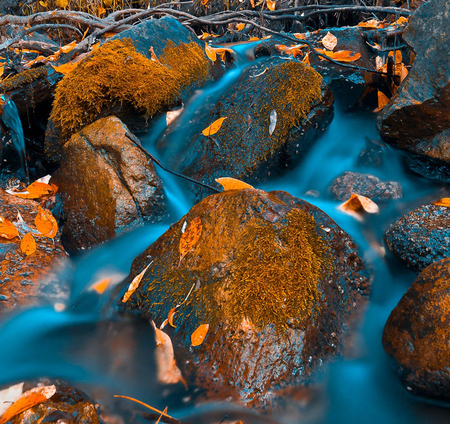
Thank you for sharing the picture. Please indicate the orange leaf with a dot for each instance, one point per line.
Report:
(206, 35)
(300, 36)
(46, 223)
(204, 2)
(34, 191)
(28, 244)
(340, 55)
(445, 201)
(214, 127)
(240, 26)
(65, 68)
(199, 335)
(172, 313)
(271, 4)
(211, 53)
(398, 57)
(134, 284)
(101, 285)
(383, 100)
(401, 21)
(372, 24)
(403, 72)
(68, 47)
(305, 60)
(232, 184)
(21, 405)
(190, 237)
(358, 204)
(7, 229)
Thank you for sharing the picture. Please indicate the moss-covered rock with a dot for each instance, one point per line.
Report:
(243, 148)
(416, 335)
(273, 276)
(108, 185)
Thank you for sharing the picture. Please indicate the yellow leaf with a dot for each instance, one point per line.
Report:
(7, 229)
(211, 53)
(190, 237)
(62, 3)
(358, 204)
(271, 4)
(329, 41)
(21, 405)
(206, 35)
(340, 55)
(43, 4)
(199, 335)
(101, 285)
(28, 244)
(240, 26)
(46, 223)
(107, 3)
(214, 127)
(232, 184)
(445, 201)
(134, 284)
(65, 68)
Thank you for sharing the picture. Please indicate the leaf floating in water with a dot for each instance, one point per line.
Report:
(340, 55)
(329, 41)
(199, 335)
(271, 4)
(172, 115)
(21, 405)
(232, 184)
(445, 201)
(273, 121)
(190, 237)
(46, 223)
(7, 229)
(358, 204)
(28, 244)
(134, 284)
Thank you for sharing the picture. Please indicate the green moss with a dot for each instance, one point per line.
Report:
(117, 74)
(20, 80)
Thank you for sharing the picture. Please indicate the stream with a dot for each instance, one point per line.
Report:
(83, 343)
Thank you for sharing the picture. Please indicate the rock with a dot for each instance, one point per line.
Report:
(417, 118)
(137, 87)
(29, 280)
(365, 185)
(243, 148)
(274, 277)
(417, 332)
(421, 237)
(108, 185)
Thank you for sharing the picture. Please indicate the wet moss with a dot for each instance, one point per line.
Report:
(20, 80)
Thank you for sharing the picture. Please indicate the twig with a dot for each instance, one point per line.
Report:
(154, 417)
(148, 154)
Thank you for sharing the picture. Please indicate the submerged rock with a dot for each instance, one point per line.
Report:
(417, 118)
(421, 237)
(108, 185)
(274, 277)
(274, 113)
(29, 280)
(417, 332)
(365, 185)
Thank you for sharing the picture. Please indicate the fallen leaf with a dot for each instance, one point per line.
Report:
(211, 53)
(35, 190)
(2, 70)
(107, 3)
(300, 36)
(199, 335)
(329, 41)
(28, 244)
(401, 21)
(383, 100)
(206, 35)
(47, 391)
(172, 313)
(252, 3)
(305, 60)
(445, 201)
(358, 204)
(65, 68)
(7, 229)
(403, 72)
(204, 2)
(46, 223)
(10, 395)
(271, 4)
(240, 26)
(273, 122)
(190, 237)
(135, 284)
(21, 405)
(62, 3)
(101, 285)
(43, 3)
(372, 24)
(398, 57)
(172, 115)
(232, 184)
(379, 63)
(340, 55)
(293, 50)
(214, 127)
(68, 47)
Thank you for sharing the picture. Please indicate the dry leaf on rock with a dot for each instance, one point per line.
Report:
(135, 284)
(10, 395)
(65, 68)
(199, 335)
(357, 205)
(211, 53)
(214, 127)
(190, 237)
(46, 223)
(232, 184)
(47, 391)
(372, 24)
(329, 41)
(271, 4)
(21, 405)
(383, 100)
(28, 244)
(172, 115)
(240, 26)
(272, 121)
(35, 190)
(445, 201)
(340, 55)
(7, 229)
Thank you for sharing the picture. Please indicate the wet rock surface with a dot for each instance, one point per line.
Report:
(244, 148)
(28, 280)
(421, 237)
(259, 342)
(108, 185)
(417, 118)
(365, 185)
(417, 332)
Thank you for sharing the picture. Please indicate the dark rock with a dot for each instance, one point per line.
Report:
(243, 147)
(29, 280)
(108, 185)
(365, 185)
(417, 118)
(421, 237)
(254, 248)
(417, 332)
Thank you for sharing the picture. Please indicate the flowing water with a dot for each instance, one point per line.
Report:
(84, 344)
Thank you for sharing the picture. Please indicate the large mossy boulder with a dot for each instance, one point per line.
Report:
(274, 277)
(288, 94)
(108, 185)
(417, 118)
(421, 237)
(417, 333)
(122, 77)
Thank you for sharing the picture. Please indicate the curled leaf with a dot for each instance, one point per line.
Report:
(211, 53)
(7, 229)
(340, 55)
(21, 405)
(199, 335)
(271, 4)
(10, 395)
(190, 237)
(35, 190)
(232, 183)
(214, 127)
(383, 100)
(28, 244)
(135, 284)
(273, 121)
(357, 205)
(46, 223)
